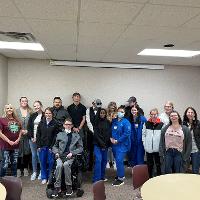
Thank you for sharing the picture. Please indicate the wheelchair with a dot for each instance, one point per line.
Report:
(76, 174)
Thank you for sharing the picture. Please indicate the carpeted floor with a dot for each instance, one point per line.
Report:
(34, 190)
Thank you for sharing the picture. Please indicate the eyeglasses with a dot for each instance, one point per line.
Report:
(68, 124)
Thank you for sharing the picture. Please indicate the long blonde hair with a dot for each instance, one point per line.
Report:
(14, 114)
(29, 109)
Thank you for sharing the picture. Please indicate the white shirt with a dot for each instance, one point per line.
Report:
(36, 122)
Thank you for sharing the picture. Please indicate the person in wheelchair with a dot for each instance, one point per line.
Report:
(68, 144)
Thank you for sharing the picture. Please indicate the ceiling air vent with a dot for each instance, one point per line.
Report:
(16, 36)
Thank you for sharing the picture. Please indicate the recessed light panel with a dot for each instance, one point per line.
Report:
(167, 52)
(21, 46)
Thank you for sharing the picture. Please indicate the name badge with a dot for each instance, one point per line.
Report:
(115, 127)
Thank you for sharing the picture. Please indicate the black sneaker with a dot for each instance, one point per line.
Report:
(118, 183)
(69, 190)
(56, 192)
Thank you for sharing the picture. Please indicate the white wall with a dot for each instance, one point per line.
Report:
(36, 79)
(3, 82)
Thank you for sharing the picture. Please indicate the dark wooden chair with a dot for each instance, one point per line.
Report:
(99, 190)
(13, 187)
(140, 175)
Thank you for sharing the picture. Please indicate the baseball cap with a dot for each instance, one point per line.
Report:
(98, 102)
(132, 99)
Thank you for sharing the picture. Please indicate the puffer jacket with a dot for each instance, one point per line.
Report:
(151, 136)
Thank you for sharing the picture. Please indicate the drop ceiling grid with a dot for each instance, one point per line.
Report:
(127, 1)
(48, 9)
(108, 12)
(186, 3)
(13, 25)
(61, 52)
(165, 16)
(54, 31)
(8, 9)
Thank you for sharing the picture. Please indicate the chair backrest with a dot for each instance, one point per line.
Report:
(13, 187)
(140, 175)
(99, 190)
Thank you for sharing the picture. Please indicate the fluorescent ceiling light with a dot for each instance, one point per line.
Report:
(21, 46)
(168, 52)
(104, 65)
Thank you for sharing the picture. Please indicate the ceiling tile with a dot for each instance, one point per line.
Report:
(136, 35)
(49, 9)
(90, 53)
(8, 9)
(54, 32)
(170, 16)
(14, 25)
(61, 52)
(129, 1)
(192, 3)
(100, 31)
(194, 23)
(108, 11)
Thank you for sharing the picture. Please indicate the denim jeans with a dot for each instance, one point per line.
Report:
(119, 158)
(100, 163)
(46, 159)
(195, 162)
(35, 155)
(9, 157)
(173, 158)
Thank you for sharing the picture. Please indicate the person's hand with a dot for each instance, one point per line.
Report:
(57, 155)
(112, 140)
(69, 155)
(38, 149)
(76, 129)
(33, 140)
(11, 143)
(16, 142)
(24, 132)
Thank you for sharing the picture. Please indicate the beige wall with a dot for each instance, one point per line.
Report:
(3, 82)
(37, 80)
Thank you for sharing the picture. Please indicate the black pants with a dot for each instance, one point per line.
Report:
(151, 159)
(23, 162)
(90, 149)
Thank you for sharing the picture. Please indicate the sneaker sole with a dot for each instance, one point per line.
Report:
(118, 185)
(69, 194)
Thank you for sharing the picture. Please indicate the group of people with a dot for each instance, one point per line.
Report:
(111, 135)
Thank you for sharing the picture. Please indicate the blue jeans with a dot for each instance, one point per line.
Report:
(46, 156)
(119, 158)
(100, 163)
(195, 162)
(173, 158)
(9, 156)
(35, 155)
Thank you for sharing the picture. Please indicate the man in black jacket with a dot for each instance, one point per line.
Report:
(59, 112)
(132, 102)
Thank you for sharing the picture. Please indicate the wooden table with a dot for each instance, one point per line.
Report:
(2, 192)
(172, 187)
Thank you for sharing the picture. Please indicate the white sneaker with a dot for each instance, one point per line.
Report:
(19, 174)
(39, 177)
(44, 181)
(33, 176)
(108, 165)
(114, 166)
(26, 172)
